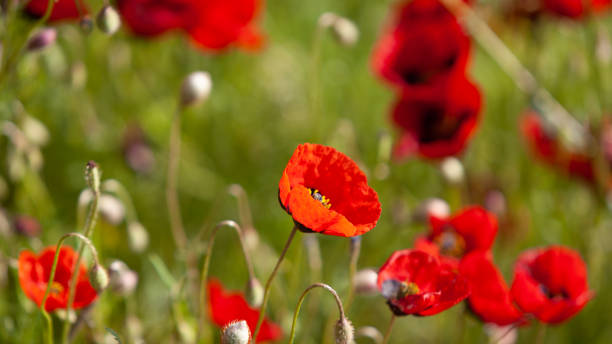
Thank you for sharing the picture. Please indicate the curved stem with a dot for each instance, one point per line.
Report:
(370, 332)
(52, 276)
(244, 211)
(262, 311)
(204, 276)
(389, 329)
(301, 300)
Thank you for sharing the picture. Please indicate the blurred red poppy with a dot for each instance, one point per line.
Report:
(34, 273)
(471, 230)
(545, 145)
(414, 282)
(326, 192)
(225, 307)
(575, 8)
(423, 50)
(490, 299)
(551, 283)
(437, 125)
(211, 24)
(62, 9)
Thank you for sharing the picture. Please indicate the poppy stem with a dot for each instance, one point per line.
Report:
(389, 329)
(52, 277)
(301, 300)
(541, 331)
(204, 276)
(354, 253)
(264, 304)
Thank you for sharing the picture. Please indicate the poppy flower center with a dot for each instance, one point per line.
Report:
(437, 125)
(396, 290)
(551, 295)
(408, 288)
(56, 287)
(315, 194)
(450, 243)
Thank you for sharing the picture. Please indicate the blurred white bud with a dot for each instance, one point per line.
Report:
(195, 88)
(603, 49)
(98, 277)
(35, 131)
(501, 334)
(495, 202)
(344, 30)
(254, 293)
(236, 332)
(122, 280)
(431, 207)
(344, 331)
(452, 170)
(138, 237)
(370, 332)
(365, 281)
(111, 209)
(42, 39)
(108, 20)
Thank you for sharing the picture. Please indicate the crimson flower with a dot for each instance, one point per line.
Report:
(62, 9)
(225, 307)
(490, 299)
(34, 273)
(326, 192)
(424, 49)
(437, 125)
(545, 145)
(551, 283)
(414, 282)
(575, 8)
(471, 230)
(211, 24)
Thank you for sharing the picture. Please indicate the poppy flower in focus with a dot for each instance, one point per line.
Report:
(326, 192)
(490, 297)
(424, 50)
(551, 283)
(62, 9)
(414, 282)
(472, 229)
(226, 307)
(545, 145)
(34, 273)
(575, 8)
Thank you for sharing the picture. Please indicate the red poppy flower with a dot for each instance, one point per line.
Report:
(490, 299)
(545, 145)
(414, 282)
(34, 273)
(575, 8)
(437, 125)
(424, 50)
(326, 192)
(225, 307)
(62, 9)
(551, 283)
(211, 24)
(473, 229)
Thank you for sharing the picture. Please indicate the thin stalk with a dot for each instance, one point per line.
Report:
(354, 252)
(315, 89)
(389, 329)
(540, 334)
(507, 332)
(301, 300)
(262, 311)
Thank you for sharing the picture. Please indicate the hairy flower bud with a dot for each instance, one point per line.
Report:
(98, 277)
(108, 20)
(236, 332)
(254, 293)
(344, 331)
(195, 88)
(42, 39)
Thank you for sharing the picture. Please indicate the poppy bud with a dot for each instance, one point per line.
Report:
(34, 130)
(452, 170)
(111, 209)
(86, 24)
(431, 207)
(495, 202)
(92, 175)
(195, 88)
(365, 281)
(344, 331)
(42, 39)
(122, 280)
(236, 332)
(254, 293)
(98, 277)
(344, 30)
(108, 20)
(26, 225)
(138, 237)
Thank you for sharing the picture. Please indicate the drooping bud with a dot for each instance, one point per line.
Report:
(98, 277)
(86, 24)
(452, 170)
(42, 39)
(365, 281)
(344, 331)
(122, 280)
(111, 209)
(108, 20)
(344, 30)
(236, 332)
(138, 237)
(195, 88)
(431, 207)
(254, 293)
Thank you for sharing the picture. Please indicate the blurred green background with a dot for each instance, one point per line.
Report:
(88, 89)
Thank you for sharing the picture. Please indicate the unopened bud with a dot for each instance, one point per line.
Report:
(452, 170)
(236, 332)
(495, 202)
(344, 331)
(35, 131)
(98, 277)
(138, 237)
(365, 281)
(92, 175)
(86, 24)
(122, 280)
(431, 207)
(108, 20)
(345, 31)
(254, 293)
(42, 39)
(111, 209)
(26, 225)
(195, 88)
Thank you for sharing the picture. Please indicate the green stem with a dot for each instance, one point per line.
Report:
(174, 210)
(301, 300)
(262, 311)
(541, 331)
(389, 330)
(355, 250)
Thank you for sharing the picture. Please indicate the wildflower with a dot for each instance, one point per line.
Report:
(326, 192)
